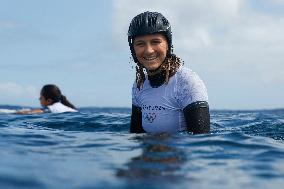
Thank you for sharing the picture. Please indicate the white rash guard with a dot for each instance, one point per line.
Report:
(162, 107)
(58, 107)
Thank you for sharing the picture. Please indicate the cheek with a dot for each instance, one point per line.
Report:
(138, 53)
(164, 49)
(43, 102)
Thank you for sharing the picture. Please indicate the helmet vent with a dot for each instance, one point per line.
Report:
(152, 22)
(165, 22)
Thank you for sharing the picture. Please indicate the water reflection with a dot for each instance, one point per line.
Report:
(160, 159)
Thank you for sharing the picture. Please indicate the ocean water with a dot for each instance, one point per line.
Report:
(93, 149)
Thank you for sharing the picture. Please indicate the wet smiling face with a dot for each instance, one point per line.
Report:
(151, 50)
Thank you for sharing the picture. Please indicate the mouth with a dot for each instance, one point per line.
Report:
(150, 58)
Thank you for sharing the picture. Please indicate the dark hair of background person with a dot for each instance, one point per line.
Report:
(52, 92)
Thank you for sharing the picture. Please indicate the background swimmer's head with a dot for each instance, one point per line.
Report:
(149, 23)
(51, 94)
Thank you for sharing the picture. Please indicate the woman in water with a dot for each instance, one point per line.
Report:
(52, 101)
(166, 96)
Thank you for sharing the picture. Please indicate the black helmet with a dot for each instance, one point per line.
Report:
(149, 23)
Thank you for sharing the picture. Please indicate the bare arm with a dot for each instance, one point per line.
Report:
(34, 111)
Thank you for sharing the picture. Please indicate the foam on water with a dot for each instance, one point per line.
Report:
(7, 111)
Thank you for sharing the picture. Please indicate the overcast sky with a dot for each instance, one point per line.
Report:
(236, 46)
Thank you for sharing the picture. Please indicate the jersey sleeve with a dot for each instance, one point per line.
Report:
(135, 95)
(190, 88)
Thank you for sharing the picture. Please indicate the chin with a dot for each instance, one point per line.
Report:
(152, 67)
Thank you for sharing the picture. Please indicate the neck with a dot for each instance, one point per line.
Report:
(163, 75)
(156, 71)
(157, 79)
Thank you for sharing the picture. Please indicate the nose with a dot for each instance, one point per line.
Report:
(149, 49)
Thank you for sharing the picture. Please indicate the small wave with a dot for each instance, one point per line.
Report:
(95, 146)
(7, 111)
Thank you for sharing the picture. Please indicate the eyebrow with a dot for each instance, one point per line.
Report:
(142, 41)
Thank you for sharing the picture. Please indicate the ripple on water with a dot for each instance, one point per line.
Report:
(93, 149)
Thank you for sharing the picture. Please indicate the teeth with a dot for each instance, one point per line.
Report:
(149, 59)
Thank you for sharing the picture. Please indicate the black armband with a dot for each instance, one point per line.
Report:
(136, 120)
(197, 117)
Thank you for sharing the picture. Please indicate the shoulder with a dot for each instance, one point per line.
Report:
(134, 94)
(144, 86)
(58, 107)
(187, 75)
(134, 89)
(134, 86)
(55, 108)
(188, 78)
(190, 87)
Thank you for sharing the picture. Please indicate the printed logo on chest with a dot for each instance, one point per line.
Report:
(151, 112)
(149, 117)
(153, 108)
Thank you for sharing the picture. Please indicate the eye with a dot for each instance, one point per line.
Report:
(156, 41)
(139, 44)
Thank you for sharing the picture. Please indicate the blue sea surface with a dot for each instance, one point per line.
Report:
(94, 149)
